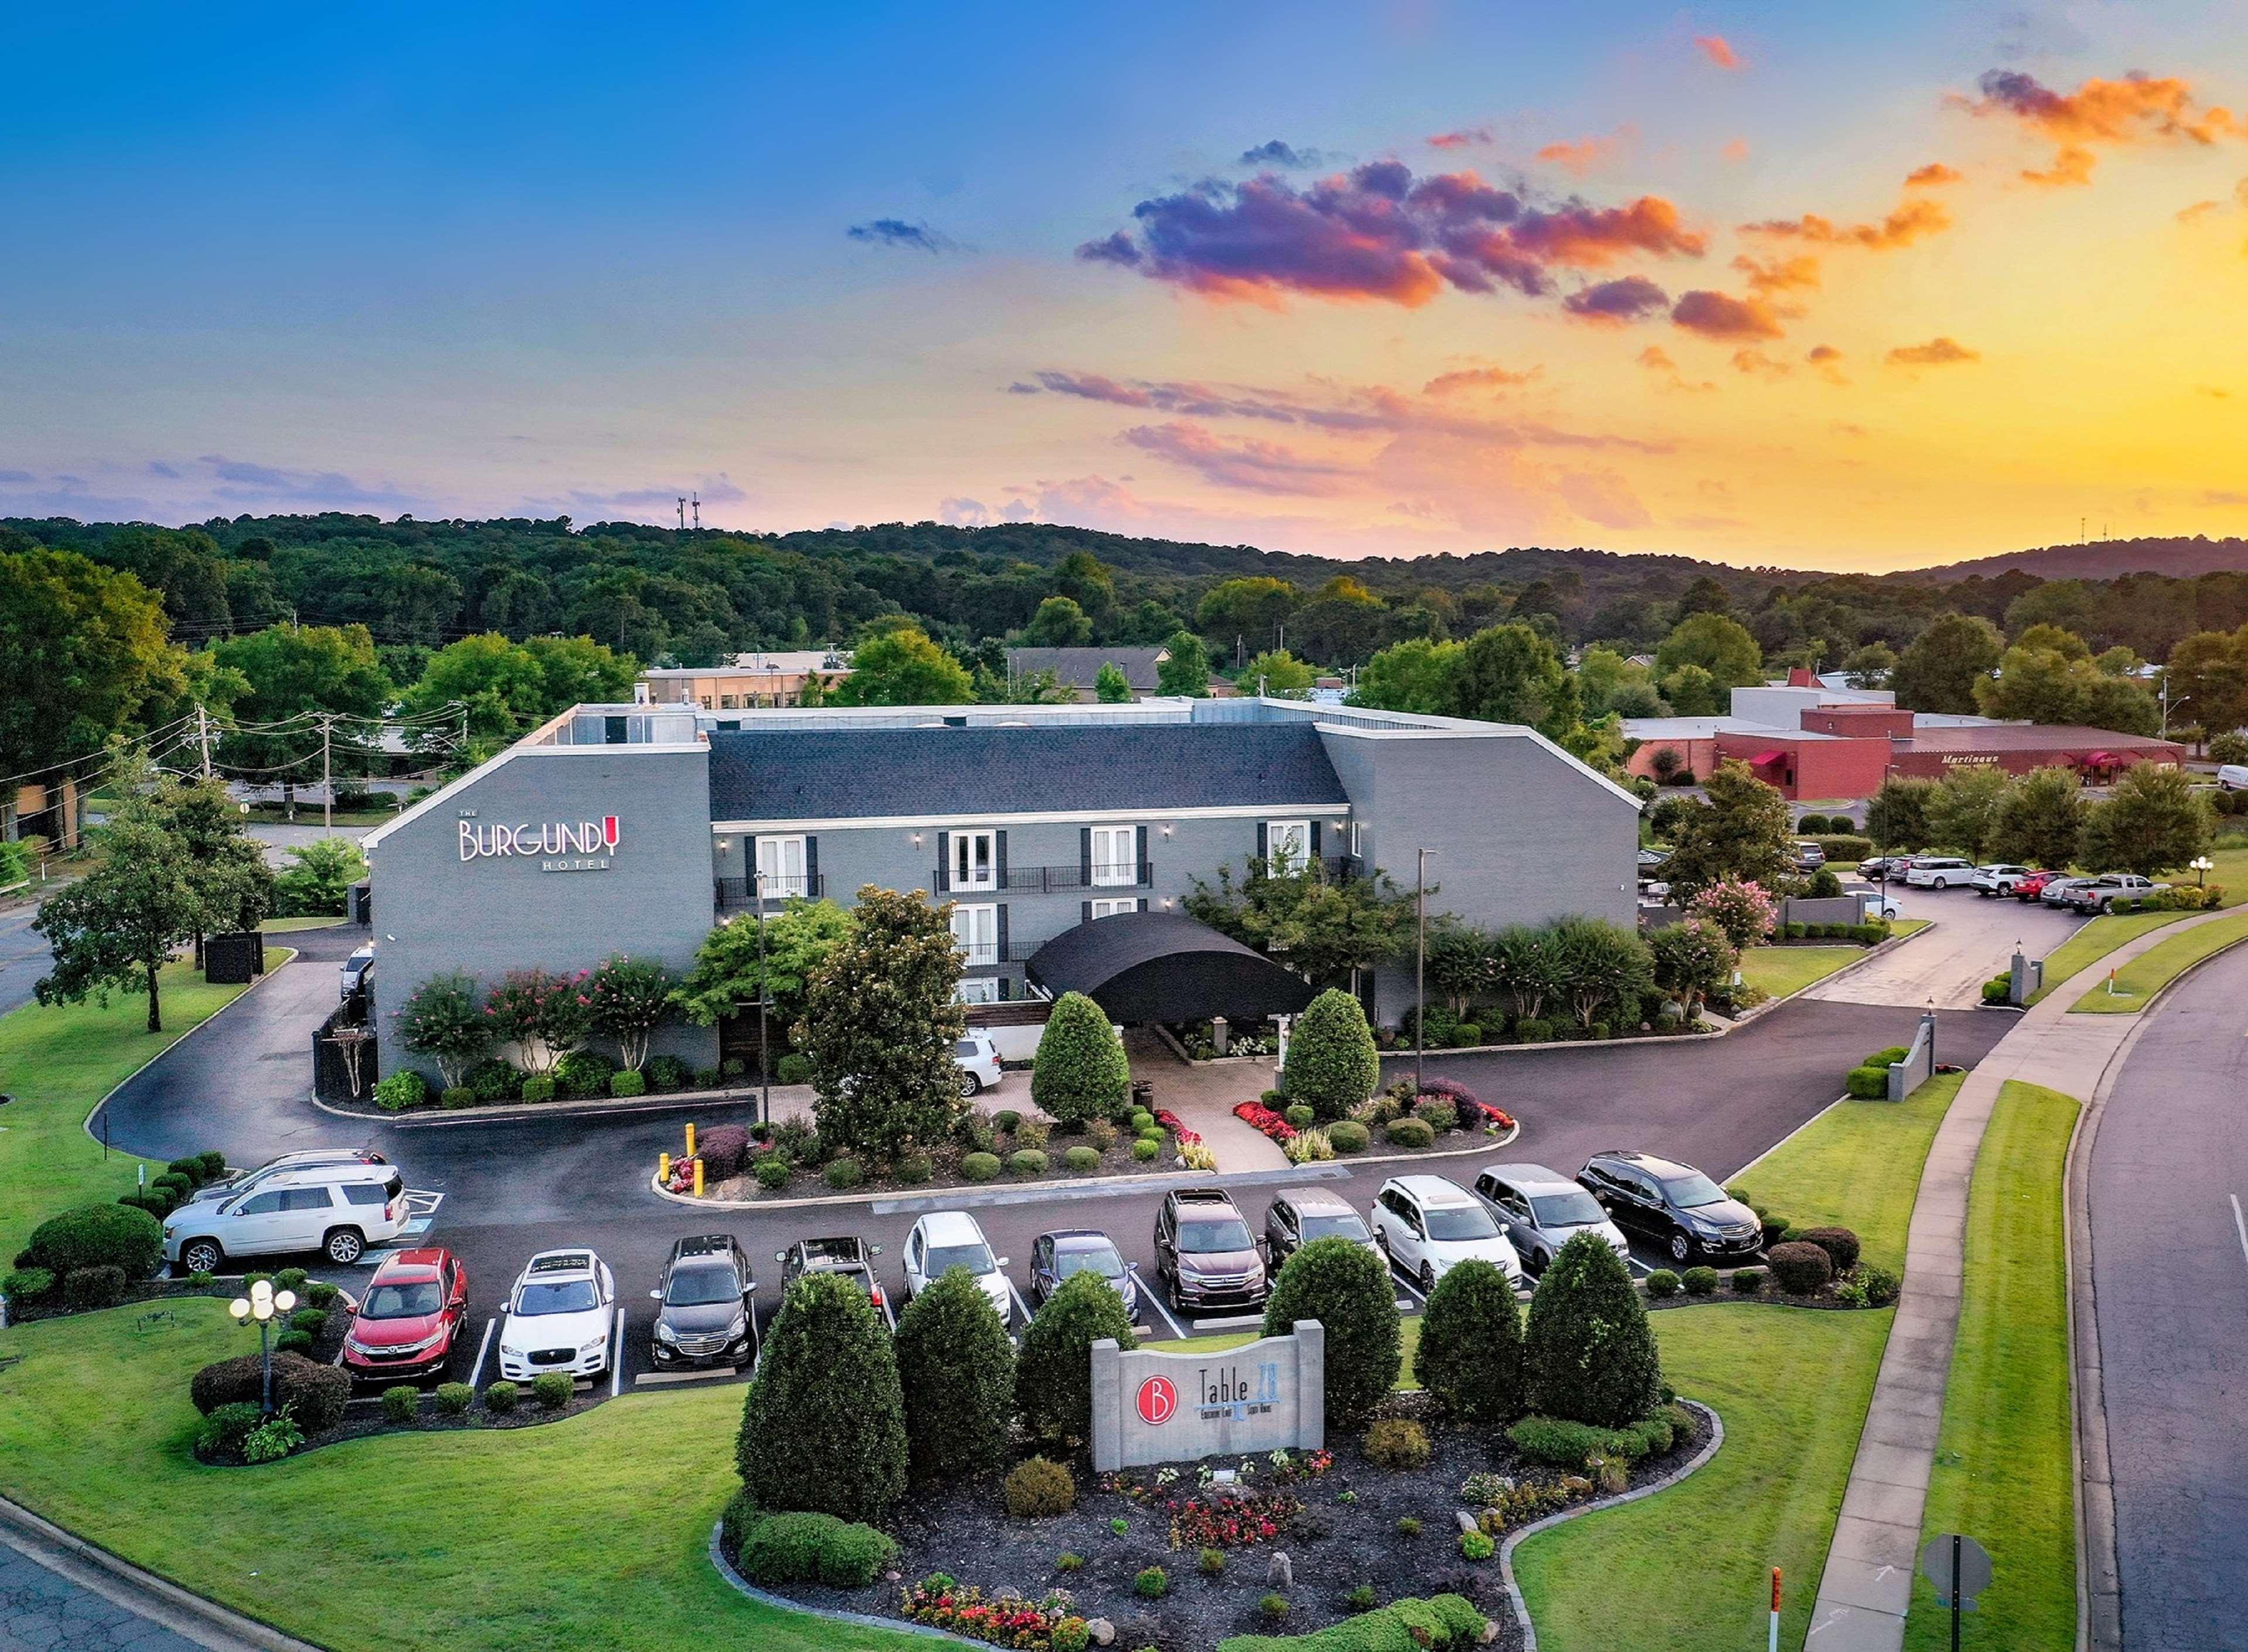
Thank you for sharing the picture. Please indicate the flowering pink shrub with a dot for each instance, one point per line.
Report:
(547, 1015)
(1741, 907)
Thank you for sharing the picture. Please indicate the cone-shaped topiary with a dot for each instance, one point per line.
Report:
(1332, 1063)
(1053, 1373)
(1471, 1352)
(823, 1426)
(1081, 1072)
(957, 1369)
(1345, 1287)
(1588, 1355)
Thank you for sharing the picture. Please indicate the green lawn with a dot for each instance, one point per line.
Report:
(290, 926)
(1780, 970)
(2137, 982)
(1856, 1165)
(60, 1061)
(1689, 1570)
(2004, 1473)
(590, 1532)
(1410, 1340)
(2095, 940)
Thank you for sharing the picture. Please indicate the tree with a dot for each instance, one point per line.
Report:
(1280, 674)
(728, 969)
(1742, 832)
(2040, 820)
(225, 866)
(1081, 1072)
(2054, 639)
(1692, 959)
(1324, 928)
(1693, 692)
(1087, 582)
(1187, 671)
(2047, 684)
(1053, 1371)
(296, 676)
(823, 1423)
(1331, 1063)
(1588, 1354)
(1059, 623)
(880, 1022)
(904, 667)
(1250, 610)
(441, 1019)
(956, 1368)
(1110, 686)
(1720, 646)
(1963, 811)
(320, 883)
(631, 999)
(1869, 667)
(1457, 961)
(580, 671)
(2152, 821)
(1897, 816)
(116, 928)
(1526, 965)
(1604, 971)
(2209, 671)
(1417, 674)
(1607, 680)
(494, 688)
(1470, 1355)
(545, 1016)
(1342, 624)
(1511, 674)
(1347, 1288)
(1939, 670)
(1743, 911)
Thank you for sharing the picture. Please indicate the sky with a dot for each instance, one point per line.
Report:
(1849, 287)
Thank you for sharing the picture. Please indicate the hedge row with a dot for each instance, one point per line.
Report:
(1441, 1623)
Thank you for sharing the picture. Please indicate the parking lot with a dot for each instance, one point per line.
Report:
(1974, 938)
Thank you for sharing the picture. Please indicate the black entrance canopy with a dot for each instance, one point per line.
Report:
(1164, 966)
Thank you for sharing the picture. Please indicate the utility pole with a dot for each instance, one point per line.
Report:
(2168, 702)
(202, 736)
(1420, 963)
(694, 502)
(683, 513)
(328, 774)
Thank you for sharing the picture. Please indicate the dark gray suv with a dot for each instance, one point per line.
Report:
(706, 1317)
(1673, 1204)
(1298, 1216)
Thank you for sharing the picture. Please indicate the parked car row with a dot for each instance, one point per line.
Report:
(1994, 879)
(337, 1202)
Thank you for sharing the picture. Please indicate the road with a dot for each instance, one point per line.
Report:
(24, 957)
(2169, 1259)
(1973, 940)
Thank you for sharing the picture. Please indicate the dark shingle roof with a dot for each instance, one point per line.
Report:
(822, 774)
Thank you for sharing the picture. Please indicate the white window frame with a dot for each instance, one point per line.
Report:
(1111, 870)
(772, 856)
(1357, 839)
(1275, 832)
(966, 920)
(976, 989)
(1112, 908)
(960, 870)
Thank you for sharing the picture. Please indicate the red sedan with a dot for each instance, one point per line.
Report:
(407, 1322)
(2030, 888)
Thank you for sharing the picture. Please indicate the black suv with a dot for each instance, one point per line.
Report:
(1673, 1204)
(1300, 1214)
(706, 1317)
(1205, 1254)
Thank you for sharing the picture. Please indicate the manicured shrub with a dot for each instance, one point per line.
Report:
(1070, 1635)
(823, 1423)
(1700, 1282)
(1080, 1072)
(191, 1167)
(1474, 1545)
(317, 1394)
(294, 1342)
(292, 1279)
(1471, 1350)
(1867, 1084)
(539, 1089)
(1211, 1563)
(844, 1173)
(1143, 1150)
(956, 1370)
(1053, 1371)
(1347, 1289)
(1032, 1133)
(456, 1097)
(724, 1149)
(1588, 1354)
(1101, 1134)
(1747, 1281)
(709, 1078)
(27, 1284)
(1880, 1285)
(454, 1399)
(812, 1548)
(668, 1073)
(1557, 1442)
(157, 1202)
(401, 1403)
(794, 1068)
(1410, 1132)
(1298, 1114)
(1661, 1285)
(1800, 1269)
(310, 1321)
(221, 1435)
(174, 1183)
(1439, 1117)
(628, 1083)
(1771, 1228)
(1008, 1120)
(584, 1072)
(915, 1168)
(502, 1397)
(1082, 1160)
(1332, 1062)
(96, 1235)
(1841, 1245)
(1037, 1487)
(773, 1171)
(553, 1389)
(1153, 1584)
(1347, 1135)
(979, 1167)
(1397, 1443)
(87, 1288)
(1533, 1032)
(1274, 1607)
(1029, 1162)
(400, 1091)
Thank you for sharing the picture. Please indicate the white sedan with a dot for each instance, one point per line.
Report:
(560, 1316)
(1427, 1226)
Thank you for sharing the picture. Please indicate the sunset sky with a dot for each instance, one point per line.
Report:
(1856, 287)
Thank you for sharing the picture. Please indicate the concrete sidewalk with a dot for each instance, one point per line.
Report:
(1867, 1588)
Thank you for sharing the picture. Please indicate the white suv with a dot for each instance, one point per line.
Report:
(977, 1058)
(952, 1239)
(2000, 878)
(1426, 1226)
(337, 1209)
(559, 1317)
(1938, 871)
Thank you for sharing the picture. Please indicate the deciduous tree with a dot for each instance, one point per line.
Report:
(1081, 1072)
(727, 969)
(2040, 820)
(2152, 822)
(902, 666)
(1940, 668)
(879, 1023)
(1720, 646)
(1187, 671)
(1742, 831)
(631, 1002)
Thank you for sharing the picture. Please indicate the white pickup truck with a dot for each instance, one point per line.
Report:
(2105, 892)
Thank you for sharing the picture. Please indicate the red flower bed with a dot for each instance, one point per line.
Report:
(1261, 1118)
(1472, 1108)
(1004, 1620)
(1172, 1123)
(1225, 1521)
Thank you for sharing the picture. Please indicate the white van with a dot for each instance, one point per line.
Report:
(2233, 777)
(335, 1210)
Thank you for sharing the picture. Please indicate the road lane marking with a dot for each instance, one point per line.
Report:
(476, 1370)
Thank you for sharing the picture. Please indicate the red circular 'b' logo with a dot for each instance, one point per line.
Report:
(1158, 1399)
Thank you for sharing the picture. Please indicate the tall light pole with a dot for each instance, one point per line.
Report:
(1420, 961)
(765, 997)
(262, 1303)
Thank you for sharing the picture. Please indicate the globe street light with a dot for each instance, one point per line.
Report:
(2203, 865)
(262, 1303)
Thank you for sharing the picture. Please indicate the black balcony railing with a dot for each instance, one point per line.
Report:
(1064, 880)
(742, 891)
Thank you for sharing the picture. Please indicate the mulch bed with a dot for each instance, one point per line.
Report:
(1333, 1545)
(944, 1166)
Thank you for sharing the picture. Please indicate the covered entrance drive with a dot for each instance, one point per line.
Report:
(1166, 966)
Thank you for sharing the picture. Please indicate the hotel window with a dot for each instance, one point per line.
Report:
(1287, 845)
(975, 861)
(976, 989)
(1110, 909)
(977, 931)
(1115, 857)
(785, 866)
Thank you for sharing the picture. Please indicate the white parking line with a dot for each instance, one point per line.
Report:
(2239, 1226)
(476, 1371)
(1021, 1306)
(617, 1356)
(1153, 1298)
(1405, 1284)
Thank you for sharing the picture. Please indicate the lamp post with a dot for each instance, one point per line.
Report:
(2202, 865)
(1420, 961)
(765, 997)
(262, 1303)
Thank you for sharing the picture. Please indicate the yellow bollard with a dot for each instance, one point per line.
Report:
(691, 1139)
(698, 1178)
(663, 1168)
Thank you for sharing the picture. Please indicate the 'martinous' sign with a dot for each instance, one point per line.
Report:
(557, 845)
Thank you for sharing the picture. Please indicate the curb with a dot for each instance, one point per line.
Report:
(857, 1620)
(440, 1118)
(2163, 991)
(86, 1124)
(1514, 1538)
(119, 1581)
